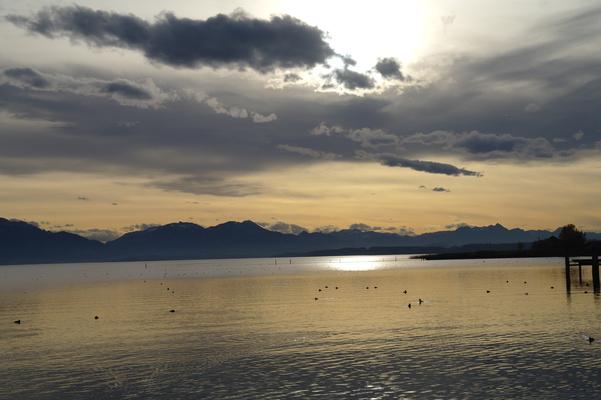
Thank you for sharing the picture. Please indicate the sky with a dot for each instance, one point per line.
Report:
(401, 116)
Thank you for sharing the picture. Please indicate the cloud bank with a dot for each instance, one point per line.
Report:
(235, 40)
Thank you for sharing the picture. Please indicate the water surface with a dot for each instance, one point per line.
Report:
(253, 329)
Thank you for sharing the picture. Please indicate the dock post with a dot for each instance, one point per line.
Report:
(596, 283)
(568, 283)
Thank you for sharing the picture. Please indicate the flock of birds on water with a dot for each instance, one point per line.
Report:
(588, 338)
(420, 301)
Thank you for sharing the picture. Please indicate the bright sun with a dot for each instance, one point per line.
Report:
(382, 28)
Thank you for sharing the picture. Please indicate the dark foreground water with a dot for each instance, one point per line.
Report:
(250, 329)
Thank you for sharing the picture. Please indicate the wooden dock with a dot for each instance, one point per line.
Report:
(593, 261)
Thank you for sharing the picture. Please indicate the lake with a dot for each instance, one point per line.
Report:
(262, 329)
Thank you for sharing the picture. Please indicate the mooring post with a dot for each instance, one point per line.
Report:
(596, 283)
(568, 283)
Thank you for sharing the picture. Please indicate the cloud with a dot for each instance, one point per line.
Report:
(209, 186)
(466, 107)
(432, 167)
(323, 155)
(139, 227)
(323, 129)
(128, 124)
(231, 111)
(262, 119)
(367, 137)
(532, 107)
(235, 40)
(102, 235)
(292, 77)
(405, 231)
(377, 138)
(361, 227)
(141, 94)
(479, 145)
(327, 229)
(127, 90)
(578, 135)
(284, 227)
(402, 230)
(352, 80)
(27, 77)
(390, 68)
(440, 189)
(458, 225)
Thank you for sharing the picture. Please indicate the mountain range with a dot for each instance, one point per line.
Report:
(25, 243)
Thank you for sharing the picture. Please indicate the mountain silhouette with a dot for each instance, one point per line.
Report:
(22, 242)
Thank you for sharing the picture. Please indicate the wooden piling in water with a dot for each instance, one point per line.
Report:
(596, 283)
(568, 281)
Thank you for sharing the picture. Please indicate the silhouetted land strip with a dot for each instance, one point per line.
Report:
(569, 243)
(26, 243)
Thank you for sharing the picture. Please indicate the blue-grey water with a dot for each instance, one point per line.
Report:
(252, 329)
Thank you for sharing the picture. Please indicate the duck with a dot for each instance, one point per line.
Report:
(588, 338)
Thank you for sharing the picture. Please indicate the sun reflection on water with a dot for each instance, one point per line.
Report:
(357, 263)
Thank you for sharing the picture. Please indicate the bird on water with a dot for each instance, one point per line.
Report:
(588, 338)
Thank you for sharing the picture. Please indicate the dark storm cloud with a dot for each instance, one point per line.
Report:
(223, 40)
(27, 76)
(390, 68)
(352, 80)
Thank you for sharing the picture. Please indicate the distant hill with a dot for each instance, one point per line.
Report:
(21, 242)
(187, 241)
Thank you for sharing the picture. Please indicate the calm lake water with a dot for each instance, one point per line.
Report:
(251, 329)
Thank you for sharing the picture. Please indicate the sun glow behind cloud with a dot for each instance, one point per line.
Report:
(383, 28)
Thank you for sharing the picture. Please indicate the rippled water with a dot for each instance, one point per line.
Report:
(253, 329)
